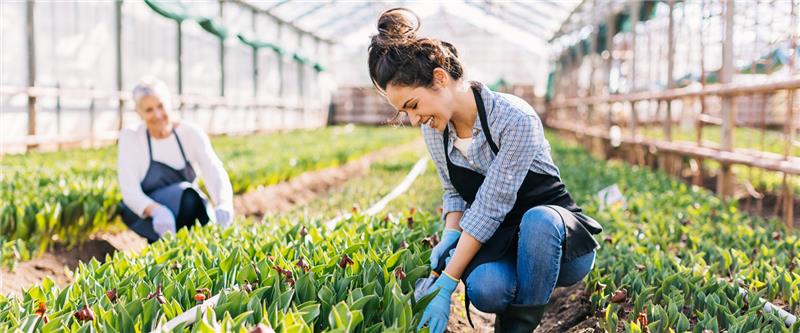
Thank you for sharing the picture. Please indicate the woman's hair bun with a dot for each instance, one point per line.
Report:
(398, 56)
(396, 26)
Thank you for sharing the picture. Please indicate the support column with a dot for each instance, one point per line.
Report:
(726, 181)
(788, 126)
(669, 159)
(31, 45)
(118, 55)
(222, 52)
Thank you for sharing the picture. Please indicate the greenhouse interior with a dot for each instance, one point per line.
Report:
(400, 166)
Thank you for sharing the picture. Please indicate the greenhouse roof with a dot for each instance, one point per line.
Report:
(336, 20)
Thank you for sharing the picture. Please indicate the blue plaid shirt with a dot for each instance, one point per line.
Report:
(518, 132)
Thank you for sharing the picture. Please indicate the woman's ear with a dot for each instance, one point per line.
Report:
(440, 77)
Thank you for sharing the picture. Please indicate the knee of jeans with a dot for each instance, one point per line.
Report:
(541, 221)
(574, 271)
(491, 297)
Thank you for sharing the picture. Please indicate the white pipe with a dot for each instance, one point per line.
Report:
(418, 168)
(788, 318)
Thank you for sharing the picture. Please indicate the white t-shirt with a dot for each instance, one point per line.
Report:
(133, 161)
(463, 145)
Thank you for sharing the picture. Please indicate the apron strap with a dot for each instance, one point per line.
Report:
(445, 139)
(180, 146)
(149, 146)
(484, 122)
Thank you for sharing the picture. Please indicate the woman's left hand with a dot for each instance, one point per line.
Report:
(437, 313)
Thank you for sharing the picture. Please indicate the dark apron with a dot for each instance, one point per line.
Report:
(536, 190)
(164, 185)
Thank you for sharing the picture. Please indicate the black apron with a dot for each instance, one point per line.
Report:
(164, 185)
(536, 190)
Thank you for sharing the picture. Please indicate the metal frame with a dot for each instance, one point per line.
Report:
(340, 27)
(336, 20)
(549, 18)
(311, 11)
(518, 22)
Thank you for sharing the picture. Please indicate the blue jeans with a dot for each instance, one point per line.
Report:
(529, 277)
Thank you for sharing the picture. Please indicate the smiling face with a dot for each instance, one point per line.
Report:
(432, 106)
(154, 113)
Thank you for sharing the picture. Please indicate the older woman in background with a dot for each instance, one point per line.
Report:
(156, 169)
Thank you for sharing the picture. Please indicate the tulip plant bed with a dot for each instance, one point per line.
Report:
(64, 197)
(671, 260)
(292, 275)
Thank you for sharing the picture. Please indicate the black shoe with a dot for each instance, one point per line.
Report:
(519, 318)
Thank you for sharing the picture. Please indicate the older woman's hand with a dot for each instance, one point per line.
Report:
(163, 220)
(224, 217)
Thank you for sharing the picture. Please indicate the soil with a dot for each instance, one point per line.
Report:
(568, 311)
(58, 263)
(484, 322)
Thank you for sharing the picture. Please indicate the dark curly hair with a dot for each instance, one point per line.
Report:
(398, 57)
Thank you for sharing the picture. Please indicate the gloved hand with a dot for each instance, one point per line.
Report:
(437, 313)
(449, 238)
(449, 257)
(224, 217)
(163, 220)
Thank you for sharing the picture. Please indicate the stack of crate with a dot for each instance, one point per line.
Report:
(360, 105)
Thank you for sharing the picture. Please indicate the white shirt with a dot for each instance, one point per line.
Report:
(463, 145)
(133, 162)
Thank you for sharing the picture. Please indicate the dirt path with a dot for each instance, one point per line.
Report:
(59, 263)
(283, 197)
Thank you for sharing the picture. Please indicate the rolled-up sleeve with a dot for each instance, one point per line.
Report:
(128, 170)
(214, 175)
(451, 200)
(518, 141)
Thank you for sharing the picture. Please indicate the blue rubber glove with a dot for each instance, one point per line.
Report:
(449, 238)
(449, 257)
(437, 313)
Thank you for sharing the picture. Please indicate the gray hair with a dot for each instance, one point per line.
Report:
(151, 86)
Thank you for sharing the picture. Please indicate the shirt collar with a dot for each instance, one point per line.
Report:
(488, 102)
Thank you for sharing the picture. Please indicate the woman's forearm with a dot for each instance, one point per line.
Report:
(148, 211)
(466, 249)
(452, 219)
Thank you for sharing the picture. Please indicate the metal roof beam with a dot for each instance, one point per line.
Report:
(337, 19)
(547, 19)
(276, 5)
(560, 30)
(526, 27)
(522, 18)
(311, 11)
(355, 24)
(551, 5)
(259, 10)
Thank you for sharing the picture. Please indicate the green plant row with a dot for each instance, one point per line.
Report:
(664, 263)
(670, 259)
(64, 197)
(295, 276)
